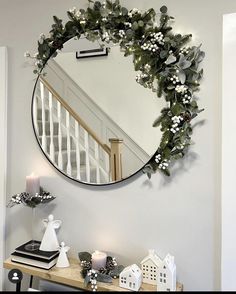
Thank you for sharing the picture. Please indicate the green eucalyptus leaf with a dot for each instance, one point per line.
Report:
(163, 9)
(85, 256)
(171, 59)
(104, 278)
(182, 76)
(183, 62)
(135, 26)
(163, 54)
(115, 273)
(86, 280)
(141, 23)
(124, 11)
(177, 109)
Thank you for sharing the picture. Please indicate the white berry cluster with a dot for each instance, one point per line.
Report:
(83, 21)
(147, 67)
(187, 99)
(185, 50)
(176, 120)
(75, 12)
(44, 197)
(133, 12)
(16, 199)
(164, 164)
(174, 79)
(150, 47)
(140, 77)
(104, 19)
(121, 33)
(181, 89)
(42, 37)
(128, 24)
(181, 147)
(106, 37)
(114, 261)
(158, 158)
(157, 37)
(93, 279)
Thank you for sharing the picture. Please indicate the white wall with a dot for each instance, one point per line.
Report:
(228, 159)
(180, 215)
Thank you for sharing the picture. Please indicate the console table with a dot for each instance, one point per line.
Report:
(71, 277)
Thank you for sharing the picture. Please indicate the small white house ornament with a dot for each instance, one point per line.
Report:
(166, 274)
(131, 278)
(149, 266)
(49, 241)
(62, 260)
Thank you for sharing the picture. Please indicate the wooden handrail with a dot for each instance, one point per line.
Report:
(75, 116)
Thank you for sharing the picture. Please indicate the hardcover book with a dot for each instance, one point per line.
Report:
(45, 255)
(33, 262)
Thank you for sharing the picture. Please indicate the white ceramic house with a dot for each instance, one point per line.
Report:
(166, 274)
(131, 278)
(150, 265)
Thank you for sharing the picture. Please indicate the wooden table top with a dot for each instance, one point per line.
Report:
(71, 276)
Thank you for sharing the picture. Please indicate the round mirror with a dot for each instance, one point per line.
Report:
(91, 118)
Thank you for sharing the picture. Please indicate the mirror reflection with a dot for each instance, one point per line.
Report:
(92, 119)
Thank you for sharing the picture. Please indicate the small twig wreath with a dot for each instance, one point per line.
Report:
(165, 65)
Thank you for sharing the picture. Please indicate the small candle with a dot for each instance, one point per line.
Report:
(32, 184)
(99, 260)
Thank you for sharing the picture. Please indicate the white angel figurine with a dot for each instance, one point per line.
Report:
(62, 260)
(49, 241)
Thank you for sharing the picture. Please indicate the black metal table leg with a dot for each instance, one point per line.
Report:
(31, 281)
(18, 287)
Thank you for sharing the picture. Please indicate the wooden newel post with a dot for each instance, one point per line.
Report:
(116, 159)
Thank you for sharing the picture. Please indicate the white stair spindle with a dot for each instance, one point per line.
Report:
(60, 161)
(87, 163)
(77, 138)
(52, 149)
(68, 169)
(97, 162)
(107, 166)
(35, 115)
(44, 139)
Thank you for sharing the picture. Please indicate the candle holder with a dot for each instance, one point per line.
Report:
(31, 201)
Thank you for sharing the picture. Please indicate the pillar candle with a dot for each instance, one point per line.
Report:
(99, 260)
(32, 184)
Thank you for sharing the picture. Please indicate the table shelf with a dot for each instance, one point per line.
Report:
(71, 276)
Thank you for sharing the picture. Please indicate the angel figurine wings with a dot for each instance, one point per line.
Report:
(49, 241)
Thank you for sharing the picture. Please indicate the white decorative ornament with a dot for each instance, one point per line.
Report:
(131, 278)
(166, 274)
(62, 260)
(49, 241)
(150, 265)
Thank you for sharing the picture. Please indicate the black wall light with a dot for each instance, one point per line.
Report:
(92, 53)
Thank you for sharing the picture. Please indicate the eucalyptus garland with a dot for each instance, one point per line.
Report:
(166, 65)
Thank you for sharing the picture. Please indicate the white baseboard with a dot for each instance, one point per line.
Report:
(3, 153)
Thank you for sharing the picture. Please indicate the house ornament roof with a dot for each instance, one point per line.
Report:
(154, 257)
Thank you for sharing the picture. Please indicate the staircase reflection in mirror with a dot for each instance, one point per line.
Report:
(91, 119)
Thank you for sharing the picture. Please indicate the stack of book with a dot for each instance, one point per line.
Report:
(36, 258)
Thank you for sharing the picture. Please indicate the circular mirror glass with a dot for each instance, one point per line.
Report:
(91, 118)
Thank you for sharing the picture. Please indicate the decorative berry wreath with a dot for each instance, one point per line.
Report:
(165, 65)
